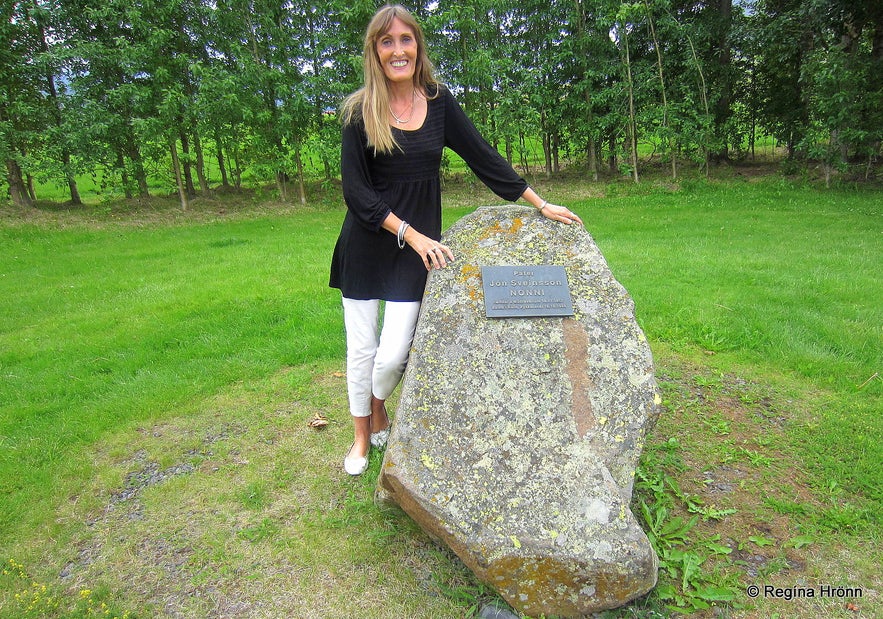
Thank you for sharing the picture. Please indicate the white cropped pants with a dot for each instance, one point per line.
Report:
(375, 366)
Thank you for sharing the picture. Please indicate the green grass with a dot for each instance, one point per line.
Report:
(104, 328)
(777, 274)
(158, 370)
(783, 279)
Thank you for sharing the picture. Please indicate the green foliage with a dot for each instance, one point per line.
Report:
(684, 586)
(104, 91)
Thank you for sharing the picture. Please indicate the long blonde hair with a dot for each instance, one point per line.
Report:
(371, 102)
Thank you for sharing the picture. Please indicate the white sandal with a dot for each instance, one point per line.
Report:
(378, 439)
(355, 466)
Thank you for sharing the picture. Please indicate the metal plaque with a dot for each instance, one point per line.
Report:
(524, 291)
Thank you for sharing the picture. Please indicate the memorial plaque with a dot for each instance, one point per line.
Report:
(524, 291)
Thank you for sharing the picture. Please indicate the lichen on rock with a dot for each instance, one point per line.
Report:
(516, 440)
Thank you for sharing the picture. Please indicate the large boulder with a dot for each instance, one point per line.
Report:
(515, 440)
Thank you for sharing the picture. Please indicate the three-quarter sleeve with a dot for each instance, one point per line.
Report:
(489, 166)
(359, 193)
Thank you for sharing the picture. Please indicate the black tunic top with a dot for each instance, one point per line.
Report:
(367, 262)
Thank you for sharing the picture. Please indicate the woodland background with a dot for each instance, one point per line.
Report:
(177, 95)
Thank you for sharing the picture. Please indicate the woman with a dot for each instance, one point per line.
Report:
(394, 131)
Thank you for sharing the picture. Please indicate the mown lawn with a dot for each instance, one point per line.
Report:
(159, 369)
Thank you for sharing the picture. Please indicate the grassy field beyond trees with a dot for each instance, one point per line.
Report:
(159, 369)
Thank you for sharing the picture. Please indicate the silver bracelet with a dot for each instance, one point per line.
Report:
(401, 235)
(543, 205)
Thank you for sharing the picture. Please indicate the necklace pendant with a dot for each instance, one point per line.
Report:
(402, 121)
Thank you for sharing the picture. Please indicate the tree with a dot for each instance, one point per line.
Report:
(105, 62)
(129, 91)
(782, 39)
(56, 141)
(21, 105)
(621, 34)
(665, 131)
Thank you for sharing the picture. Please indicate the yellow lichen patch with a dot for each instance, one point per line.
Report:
(498, 228)
(535, 585)
(427, 461)
(469, 270)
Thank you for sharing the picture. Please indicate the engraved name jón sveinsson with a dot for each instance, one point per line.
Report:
(527, 287)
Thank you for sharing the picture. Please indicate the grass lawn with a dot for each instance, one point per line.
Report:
(159, 369)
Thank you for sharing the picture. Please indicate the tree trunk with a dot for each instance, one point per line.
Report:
(200, 164)
(877, 59)
(17, 190)
(582, 34)
(179, 179)
(31, 191)
(591, 147)
(301, 188)
(237, 169)
(633, 129)
(134, 154)
(752, 137)
(556, 147)
(612, 162)
(186, 167)
(525, 163)
(591, 156)
(281, 186)
(222, 167)
(328, 175)
(71, 181)
(124, 174)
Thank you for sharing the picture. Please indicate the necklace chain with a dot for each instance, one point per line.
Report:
(411, 107)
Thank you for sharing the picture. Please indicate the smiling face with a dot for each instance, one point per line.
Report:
(397, 52)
